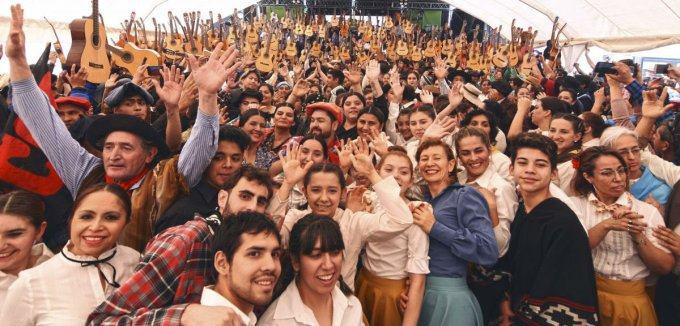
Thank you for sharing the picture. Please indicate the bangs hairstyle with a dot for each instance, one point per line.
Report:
(377, 113)
(228, 237)
(435, 143)
(472, 132)
(114, 189)
(251, 173)
(493, 122)
(576, 123)
(310, 229)
(24, 204)
(587, 160)
(534, 140)
(325, 168)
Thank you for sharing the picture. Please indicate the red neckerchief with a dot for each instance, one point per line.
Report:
(129, 183)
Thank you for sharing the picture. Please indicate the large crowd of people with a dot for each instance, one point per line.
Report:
(339, 192)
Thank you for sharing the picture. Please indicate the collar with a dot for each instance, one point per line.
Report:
(131, 184)
(625, 200)
(290, 305)
(210, 297)
(483, 180)
(67, 252)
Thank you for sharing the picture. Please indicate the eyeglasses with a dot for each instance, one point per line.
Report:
(609, 173)
(626, 151)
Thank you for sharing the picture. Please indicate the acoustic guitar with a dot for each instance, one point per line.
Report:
(88, 46)
(173, 42)
(265, 62)
(513, 56)
(473, 61)
(130, 57)
(57, 46)
(528, 60)
(499, 59)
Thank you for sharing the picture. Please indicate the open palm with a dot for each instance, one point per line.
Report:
(173, 81)
(220, 66)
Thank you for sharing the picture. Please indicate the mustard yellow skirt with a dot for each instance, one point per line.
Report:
(624, 303)
(379, 297)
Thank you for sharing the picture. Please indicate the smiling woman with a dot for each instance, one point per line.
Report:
(89, 267)
(22, 224)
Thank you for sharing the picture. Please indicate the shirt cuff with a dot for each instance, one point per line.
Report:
(439, 231)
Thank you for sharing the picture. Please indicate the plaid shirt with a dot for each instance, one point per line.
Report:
(635, 91)
(176, 266)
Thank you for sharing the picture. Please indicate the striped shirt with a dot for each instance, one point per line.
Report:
(73, 163)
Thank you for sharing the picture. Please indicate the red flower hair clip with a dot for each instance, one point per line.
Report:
(575, 163)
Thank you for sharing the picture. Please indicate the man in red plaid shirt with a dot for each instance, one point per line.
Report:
(177, 264)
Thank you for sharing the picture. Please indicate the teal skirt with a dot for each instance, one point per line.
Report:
(449, 301)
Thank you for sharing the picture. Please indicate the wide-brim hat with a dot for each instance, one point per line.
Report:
(457, 72)
(331, 108)
(472, 93)
(502, 87)
(103, 126)
(126, 89)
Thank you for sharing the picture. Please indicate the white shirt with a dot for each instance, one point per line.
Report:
(506, 202)
(213, 299)
(616, 257)
(558, 193)
(395, 258)
(61, 292)
(591, 143)
(660, 168)
(501, 141)
(358, 228)
(289, 310)
(39, 250)
(565, 172)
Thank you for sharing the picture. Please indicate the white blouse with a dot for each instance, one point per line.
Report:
(506, 203)
(39, 250)
(565, 172)
(61, 292)
(616, 257)
(289, 310)
(361, 227)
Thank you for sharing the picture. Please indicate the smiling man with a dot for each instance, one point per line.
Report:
(131, 149)
(553, 279)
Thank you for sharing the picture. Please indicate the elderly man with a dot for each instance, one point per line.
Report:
(130, 147)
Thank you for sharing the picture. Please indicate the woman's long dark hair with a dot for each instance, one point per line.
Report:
(303, 238)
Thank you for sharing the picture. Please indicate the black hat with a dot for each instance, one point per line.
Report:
(502, 87)
(457, 72)
(102, 127)
(125, 88)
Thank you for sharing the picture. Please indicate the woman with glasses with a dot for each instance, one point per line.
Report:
(624, 250)
(644, 184)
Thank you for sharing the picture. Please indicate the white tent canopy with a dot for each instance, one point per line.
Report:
(614, 25)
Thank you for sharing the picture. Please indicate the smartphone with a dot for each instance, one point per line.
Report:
(154, 70)
(602, 68)
(662, 68)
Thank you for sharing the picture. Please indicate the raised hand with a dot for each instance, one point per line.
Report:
(220, 66)
(77, 78)
(300, 89)
(426, 97)
(355, 199)
(353, 75)
(397, 87)
(440, 128)
(441, 69)
(455, 94)
(111, 82)
(344, 154)
(140, 75)
(378, 142)
(668, 239)
(16, 39)
(652, 107)
(293, 171)
(373, 70)
(171, 92)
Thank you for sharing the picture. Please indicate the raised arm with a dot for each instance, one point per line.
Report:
(523, 106)
(72, 162)
(202, 144)
(173, 81)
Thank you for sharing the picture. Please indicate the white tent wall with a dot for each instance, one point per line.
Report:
(613, 25)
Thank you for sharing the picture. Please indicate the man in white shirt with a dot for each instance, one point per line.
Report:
(246, 249)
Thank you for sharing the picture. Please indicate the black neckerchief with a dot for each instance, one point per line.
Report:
(95, 263)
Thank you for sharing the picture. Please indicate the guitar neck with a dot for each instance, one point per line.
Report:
(95, 22)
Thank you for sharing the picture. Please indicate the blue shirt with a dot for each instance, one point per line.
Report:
(462, 232)
(650, 185)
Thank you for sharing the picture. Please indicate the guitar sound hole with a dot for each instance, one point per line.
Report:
(95, 40)
(127, 57)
